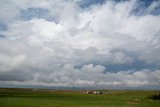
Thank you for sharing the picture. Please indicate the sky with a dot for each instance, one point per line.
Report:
(107, 44)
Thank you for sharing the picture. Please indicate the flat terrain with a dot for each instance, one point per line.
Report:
(59, 98)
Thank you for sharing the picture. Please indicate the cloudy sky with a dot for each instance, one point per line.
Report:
(80, 43)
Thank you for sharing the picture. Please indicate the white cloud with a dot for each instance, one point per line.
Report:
(120, 57)
(90, 69)
(75, 49)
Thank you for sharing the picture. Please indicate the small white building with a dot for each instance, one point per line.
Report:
(97, 92)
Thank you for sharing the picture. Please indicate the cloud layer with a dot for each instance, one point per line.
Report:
(68, 43)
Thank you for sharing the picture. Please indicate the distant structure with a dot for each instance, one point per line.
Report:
(93, 92)
(97, 92)
(89, 92)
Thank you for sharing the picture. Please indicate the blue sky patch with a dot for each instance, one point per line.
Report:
(141, 7)
(31, 13)
(3, 27)
(136, 65)
(87, 3)
(2, 36)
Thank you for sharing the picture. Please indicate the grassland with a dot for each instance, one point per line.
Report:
(59, 98)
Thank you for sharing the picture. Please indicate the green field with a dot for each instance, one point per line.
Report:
(59, 98)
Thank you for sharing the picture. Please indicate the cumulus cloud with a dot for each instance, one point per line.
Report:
(92, 76)
(59, 43)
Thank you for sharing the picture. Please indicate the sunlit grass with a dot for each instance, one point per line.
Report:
(56, 98)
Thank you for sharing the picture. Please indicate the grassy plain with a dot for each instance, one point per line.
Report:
(68, 98)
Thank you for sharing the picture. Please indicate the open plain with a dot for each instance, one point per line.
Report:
(13, 97)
